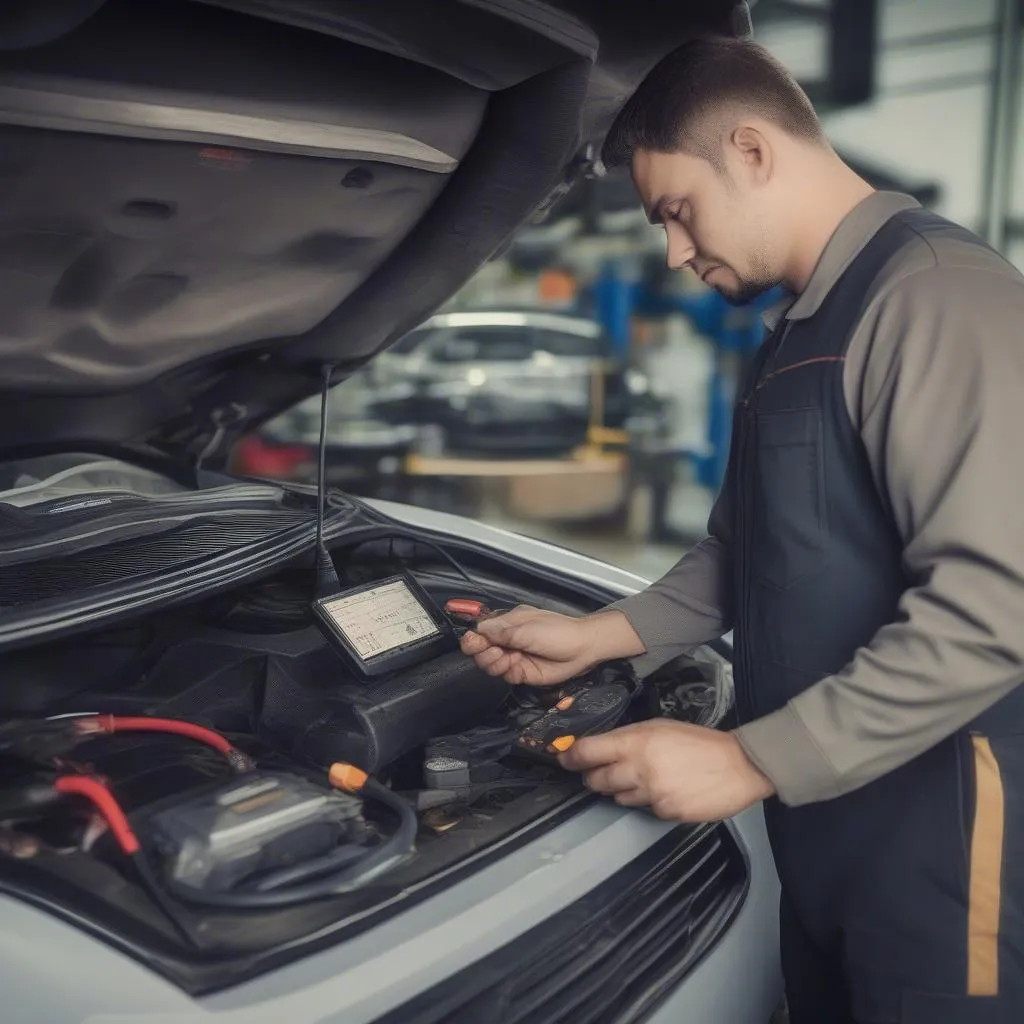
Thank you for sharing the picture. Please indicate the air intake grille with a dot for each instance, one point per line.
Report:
(125, 561)
(610, 957)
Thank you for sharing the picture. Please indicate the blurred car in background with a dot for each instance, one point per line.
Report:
(505, 384)
(509, 382)
(364, 450)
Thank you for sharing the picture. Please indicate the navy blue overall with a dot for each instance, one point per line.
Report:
(902, 901)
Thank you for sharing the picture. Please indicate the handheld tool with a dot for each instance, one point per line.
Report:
(552, 719)
(584, 710)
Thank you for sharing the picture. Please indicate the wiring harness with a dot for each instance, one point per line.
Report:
(48, 742)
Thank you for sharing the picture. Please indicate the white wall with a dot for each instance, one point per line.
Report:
(938, 135)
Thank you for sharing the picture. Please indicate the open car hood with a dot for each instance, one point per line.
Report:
(204, 202)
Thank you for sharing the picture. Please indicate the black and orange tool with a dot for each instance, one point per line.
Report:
(584, 712)
(580, 708)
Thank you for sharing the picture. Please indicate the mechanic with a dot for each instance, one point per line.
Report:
(867, 549)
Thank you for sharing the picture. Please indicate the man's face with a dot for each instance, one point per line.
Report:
(712, 220)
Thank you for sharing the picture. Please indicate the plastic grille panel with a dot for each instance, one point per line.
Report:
(610, 957)
(129, 560)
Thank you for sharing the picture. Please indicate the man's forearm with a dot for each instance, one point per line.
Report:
(612, 636)
(937, 398)
(690, 605)
(921, 679)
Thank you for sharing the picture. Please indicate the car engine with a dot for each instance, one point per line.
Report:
(184, 772)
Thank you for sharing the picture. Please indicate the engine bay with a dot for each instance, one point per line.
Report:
(171, 781)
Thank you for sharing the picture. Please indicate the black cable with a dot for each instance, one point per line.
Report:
(430, 798)
(389, 530)
(321, 469)
(435, 547)
(156, 892)
(327, 581)
(329, 862)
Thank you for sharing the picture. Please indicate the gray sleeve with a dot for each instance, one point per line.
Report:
(691, 604)
(940, 405)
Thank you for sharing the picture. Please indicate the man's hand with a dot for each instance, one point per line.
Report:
(542, 648)
(683, 772)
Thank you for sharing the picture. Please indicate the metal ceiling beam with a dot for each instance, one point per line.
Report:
(940, 38)
(1000, 151)
(789, 10)
(852, 46)
(851, 41)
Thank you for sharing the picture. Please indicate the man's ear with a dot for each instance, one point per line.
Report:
(753, 154)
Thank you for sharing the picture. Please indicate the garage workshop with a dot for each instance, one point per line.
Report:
(510, 511)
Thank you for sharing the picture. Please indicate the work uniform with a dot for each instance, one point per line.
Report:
(867, 548)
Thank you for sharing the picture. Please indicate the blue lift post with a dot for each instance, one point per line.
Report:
(615, 298)
(735, 332)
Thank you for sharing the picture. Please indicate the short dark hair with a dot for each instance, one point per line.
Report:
(673, 108)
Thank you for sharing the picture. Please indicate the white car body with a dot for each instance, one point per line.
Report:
(738, 981)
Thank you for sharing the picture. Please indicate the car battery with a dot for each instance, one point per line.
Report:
(261, 822)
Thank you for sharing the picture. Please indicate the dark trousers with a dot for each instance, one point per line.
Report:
(903, 903)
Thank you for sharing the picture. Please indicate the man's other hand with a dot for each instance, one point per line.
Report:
(682, 772)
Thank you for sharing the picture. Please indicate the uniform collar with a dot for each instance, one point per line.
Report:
(856, 229)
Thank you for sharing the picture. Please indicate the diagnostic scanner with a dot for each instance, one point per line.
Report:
(386, 626)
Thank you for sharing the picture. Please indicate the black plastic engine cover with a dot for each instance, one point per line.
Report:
(319, 715)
